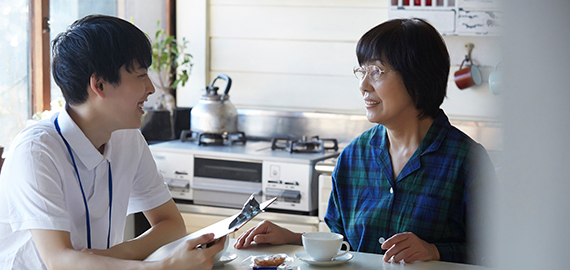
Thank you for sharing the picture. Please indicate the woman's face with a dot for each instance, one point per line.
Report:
(386, 99)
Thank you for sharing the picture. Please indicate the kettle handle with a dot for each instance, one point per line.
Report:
(225, 78)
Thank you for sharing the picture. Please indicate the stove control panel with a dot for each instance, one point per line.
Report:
(292, 184)
(177, 170)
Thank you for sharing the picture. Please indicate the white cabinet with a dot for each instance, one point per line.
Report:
(325, 187)
(195, 222)
(199, 217)
(295, 227)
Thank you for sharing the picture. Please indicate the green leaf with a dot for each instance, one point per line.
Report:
(168, 53)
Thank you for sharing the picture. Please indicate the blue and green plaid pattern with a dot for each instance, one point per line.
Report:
(431, 197)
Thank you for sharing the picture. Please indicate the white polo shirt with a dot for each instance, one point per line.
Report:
(39, 188)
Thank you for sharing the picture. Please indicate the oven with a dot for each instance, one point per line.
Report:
(223, 175)
(225, 181)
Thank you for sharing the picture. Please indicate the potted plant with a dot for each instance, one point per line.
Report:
(171, 66)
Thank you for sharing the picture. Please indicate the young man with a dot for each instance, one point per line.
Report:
(70, 181)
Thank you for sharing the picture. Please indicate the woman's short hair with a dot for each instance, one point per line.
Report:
(100, 45)
(414, 49)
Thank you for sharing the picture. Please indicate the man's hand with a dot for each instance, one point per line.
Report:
(267, 233)
(409, 248)
(188, 256)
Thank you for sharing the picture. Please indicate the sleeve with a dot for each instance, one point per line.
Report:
(481, 183)
(34, 189)
(452, 252)
(479, 175)
(149, 190)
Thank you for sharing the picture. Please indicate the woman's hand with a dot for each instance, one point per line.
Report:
(188, 256)
(409, 247)
(267, 233)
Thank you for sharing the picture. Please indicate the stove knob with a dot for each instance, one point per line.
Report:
(291, 196)
(181, 184)
(274, 171)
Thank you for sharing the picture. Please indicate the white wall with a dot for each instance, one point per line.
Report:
(299, 54)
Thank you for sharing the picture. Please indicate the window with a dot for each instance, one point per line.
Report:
(14, 73)
(17, 83)
(143, 13)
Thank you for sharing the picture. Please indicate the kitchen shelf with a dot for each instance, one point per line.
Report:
(453, 17)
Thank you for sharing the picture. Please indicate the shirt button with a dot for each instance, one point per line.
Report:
(391, 191)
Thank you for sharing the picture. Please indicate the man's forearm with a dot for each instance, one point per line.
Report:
(141, 247)
(73, 259)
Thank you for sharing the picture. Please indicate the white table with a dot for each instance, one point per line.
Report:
(360, 261)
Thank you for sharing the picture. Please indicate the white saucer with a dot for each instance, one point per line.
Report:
(303, 256)
(226, 258)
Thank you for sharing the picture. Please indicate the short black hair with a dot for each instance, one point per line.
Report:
(100, 45)
(417, 52)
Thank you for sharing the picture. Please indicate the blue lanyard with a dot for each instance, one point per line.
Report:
(83, 192)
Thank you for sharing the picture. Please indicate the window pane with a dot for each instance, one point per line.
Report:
(14, 69)
(65, 12)
(143, 13)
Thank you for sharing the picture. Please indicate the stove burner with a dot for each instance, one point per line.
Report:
(204, 138)
(304, 145)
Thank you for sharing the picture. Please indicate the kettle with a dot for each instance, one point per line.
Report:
(215, 113)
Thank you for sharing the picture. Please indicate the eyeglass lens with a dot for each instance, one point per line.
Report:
(372, 71)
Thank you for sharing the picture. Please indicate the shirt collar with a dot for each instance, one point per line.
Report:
(436, 134)
(431, 142)
(83, 149)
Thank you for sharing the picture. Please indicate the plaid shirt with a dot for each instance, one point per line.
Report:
(431, 197)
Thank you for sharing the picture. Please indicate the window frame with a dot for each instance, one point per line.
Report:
(40, 51)
(40, 56)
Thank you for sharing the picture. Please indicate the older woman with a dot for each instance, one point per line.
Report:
(410, 178)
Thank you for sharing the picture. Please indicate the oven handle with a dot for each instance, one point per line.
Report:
(249, 191)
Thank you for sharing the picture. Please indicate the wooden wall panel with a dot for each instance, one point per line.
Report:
(295, 54)
(299, 54)
(316, 93)
(294, 22)
(289, 54)
(278, 56)
(304, 3)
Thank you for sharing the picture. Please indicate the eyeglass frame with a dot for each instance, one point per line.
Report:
(359, 69)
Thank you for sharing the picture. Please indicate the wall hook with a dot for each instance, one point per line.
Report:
(469, 47)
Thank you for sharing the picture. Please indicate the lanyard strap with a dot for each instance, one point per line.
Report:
(87, 219)
(110, 204)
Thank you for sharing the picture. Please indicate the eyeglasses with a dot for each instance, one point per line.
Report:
(373, 72)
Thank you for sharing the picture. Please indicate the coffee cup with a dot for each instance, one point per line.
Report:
(219, 255)
(496, 81)
(324, 246)
(468, 76)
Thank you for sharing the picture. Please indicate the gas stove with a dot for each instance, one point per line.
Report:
(225, 175)
(304, 145)
(205, 138)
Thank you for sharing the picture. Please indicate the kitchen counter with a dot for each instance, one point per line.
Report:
(326, 166)
(226, 212)
(360, 261)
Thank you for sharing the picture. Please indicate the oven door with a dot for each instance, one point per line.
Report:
(225, 182)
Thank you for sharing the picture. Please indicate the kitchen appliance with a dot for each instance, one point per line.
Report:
(215, 114)
(225, 175)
